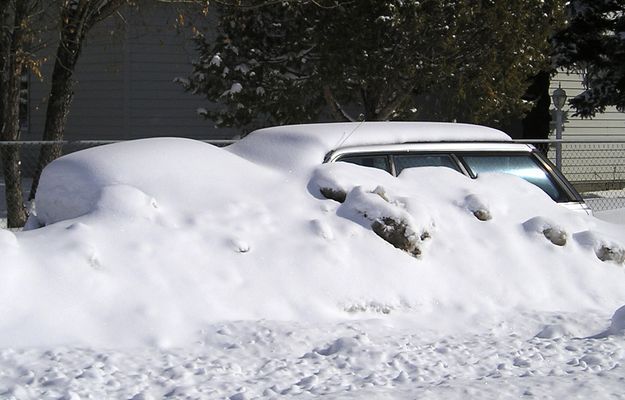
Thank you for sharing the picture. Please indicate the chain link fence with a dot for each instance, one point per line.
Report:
(595, 168)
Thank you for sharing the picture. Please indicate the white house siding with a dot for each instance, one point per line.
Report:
(592, 167)
(125, 85)
(607, 125)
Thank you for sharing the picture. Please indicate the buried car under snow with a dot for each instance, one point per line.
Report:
(394, 146)
(159, 235)
(273, 186)
(94, 179)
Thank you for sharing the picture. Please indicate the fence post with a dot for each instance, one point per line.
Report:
(559, 99)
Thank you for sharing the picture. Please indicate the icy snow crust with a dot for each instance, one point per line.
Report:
(233, 277)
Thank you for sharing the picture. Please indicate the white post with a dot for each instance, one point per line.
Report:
(559, 126)
(559, 99)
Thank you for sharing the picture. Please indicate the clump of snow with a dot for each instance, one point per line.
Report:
(216, 60)
(476, 206)
(606, 247)
(554, 233)
(234, 89)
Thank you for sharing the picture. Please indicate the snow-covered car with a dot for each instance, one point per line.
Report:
(467, 149)
(169, 267)
(471, 159)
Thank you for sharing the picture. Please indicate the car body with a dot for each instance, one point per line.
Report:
(393, 146)
(470, 159)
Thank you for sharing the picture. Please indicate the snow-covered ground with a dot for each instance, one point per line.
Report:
(608, 205)
(616, 216)
(169, 268)
(363, 359)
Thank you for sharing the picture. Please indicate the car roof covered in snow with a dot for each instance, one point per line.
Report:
(293, 146)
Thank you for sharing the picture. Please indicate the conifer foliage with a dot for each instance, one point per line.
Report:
(300, 61)
(593, 44)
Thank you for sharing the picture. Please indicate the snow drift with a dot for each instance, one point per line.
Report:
(148, 241)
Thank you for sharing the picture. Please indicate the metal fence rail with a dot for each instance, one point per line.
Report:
(595, 167)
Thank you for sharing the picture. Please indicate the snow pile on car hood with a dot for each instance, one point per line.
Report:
(148, 241)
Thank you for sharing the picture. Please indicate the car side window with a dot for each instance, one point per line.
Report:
(523, 166)
(374, 161)
(404, 161)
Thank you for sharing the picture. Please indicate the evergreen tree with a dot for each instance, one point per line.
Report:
(301, 61)
(593, 44)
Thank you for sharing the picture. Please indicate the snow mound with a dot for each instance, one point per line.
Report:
(147, 242)
(554, 331)
(618, 321)
(617, 325)
(135, 174)
(343, 345)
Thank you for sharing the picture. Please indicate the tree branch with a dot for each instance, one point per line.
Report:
(335, 108)
(103, 9)
(392, 105)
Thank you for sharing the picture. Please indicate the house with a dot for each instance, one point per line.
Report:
(609, 125)
(595, 157)
(125, 85)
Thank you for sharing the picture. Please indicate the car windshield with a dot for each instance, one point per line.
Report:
(524, 165)
(521, 165)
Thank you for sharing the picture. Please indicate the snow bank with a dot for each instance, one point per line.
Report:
(147, 242)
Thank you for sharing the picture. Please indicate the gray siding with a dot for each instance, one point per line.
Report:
(125, 85)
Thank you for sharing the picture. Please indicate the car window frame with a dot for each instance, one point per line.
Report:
(553, 174)
(556, 179)
(389, 164)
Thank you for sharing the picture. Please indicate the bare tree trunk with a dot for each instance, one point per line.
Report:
(61, 95)
(369, 104)
(13, 58)
(16, 211)
(77, 19)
